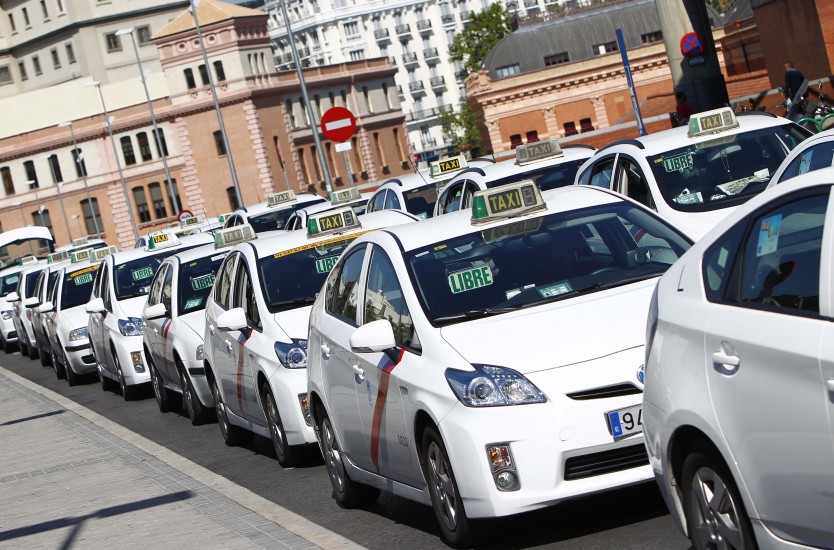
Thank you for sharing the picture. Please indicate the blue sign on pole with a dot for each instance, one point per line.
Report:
(632, 91)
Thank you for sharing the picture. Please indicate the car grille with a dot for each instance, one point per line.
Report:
(606, 462)
(606, 391)
(88, 359)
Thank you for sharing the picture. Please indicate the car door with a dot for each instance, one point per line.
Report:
(220, 356)
(250, 345)
(631, 182)
(380, 397)
(166, 346)
(94, 320)
(762, 341)
(600, 173)
(154, 327)
(340, 380)
(451, 199)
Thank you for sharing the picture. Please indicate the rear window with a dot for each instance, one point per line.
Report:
(420, 201)
(8, 283)
(277, 219)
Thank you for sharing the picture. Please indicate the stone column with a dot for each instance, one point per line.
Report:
(256, 136)
(552, 125)
(494, 129)
(600, 113)
(190, 184)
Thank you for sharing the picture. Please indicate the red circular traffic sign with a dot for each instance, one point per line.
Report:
(184, 215)
(338, 124)
(691, 45)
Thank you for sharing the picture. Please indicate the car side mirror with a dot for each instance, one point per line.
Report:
(32, 301)
(373, 337)
(234, 319)
(45, 307)
(95, 305)
(12, 297)
(155, 311)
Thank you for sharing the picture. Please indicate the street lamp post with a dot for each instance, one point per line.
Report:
(48, 158)
(33, 186)
(82, 169)
(174, 202)
(23, 219)
(97, 84)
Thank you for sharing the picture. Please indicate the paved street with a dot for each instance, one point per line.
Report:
(155, 497)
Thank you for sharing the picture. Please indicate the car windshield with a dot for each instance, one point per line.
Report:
(420, 200)
(293, 278)
(8, 283)
(277, 219)
(725, 171)
(195, 281)
(133, 278)
(78, 286)
(541, 259)
(31, 280)
(548, 177)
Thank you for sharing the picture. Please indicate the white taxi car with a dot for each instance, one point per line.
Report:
(67, 329)
(25, 294)
(256, 333)
(9, 279)
(695, 175)
(739, 402)
(43, 286)
(343, 197)
(115, 307)
(272, 214)
(488, 362)
(175, 322)
(545, 162)
(417, 193)
(812, 154)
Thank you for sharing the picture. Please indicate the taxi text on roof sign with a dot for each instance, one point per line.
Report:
(451, 164)
(538, 150)
(194, 220)
(233, 235)
(710, 122)
(173, 225)
(27, 260)
(57, 257)
(81, 241)
(333, 221)
(162, 240)
(101, 253)
(506, 201)
(279, 198)
(344, 195)
(80, 255)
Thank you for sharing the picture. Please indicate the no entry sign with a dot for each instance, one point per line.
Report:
(338, 124)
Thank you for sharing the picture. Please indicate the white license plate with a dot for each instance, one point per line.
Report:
(626, 421)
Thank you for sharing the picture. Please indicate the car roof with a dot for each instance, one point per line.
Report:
(294, 239)
(262, 207)
(423, 177)
(198, 253)
(432, 230)
(186, 240)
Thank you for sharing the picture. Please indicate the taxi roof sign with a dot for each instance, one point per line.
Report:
(234, 235)
(57, 257)
(81, 241)
(344, 195)
(710, 122)
(80, 255)
(192, 221)
(333, 221)
(506, 201)
(162, 239)
(223, 217)
(101, 253)
(450, 164)
(537, 150)
(279, 198)
(172, 225)
(26, 260)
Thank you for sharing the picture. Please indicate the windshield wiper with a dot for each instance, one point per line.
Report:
(297, 302)
(471, 314)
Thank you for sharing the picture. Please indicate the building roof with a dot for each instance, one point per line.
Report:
(208, 12)
(575, 35)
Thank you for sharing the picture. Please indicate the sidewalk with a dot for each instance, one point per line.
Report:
(70, 478)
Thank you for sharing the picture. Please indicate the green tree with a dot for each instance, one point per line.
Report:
(476, 40)
(461, 128)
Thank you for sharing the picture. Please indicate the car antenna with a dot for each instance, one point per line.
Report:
(416, 171)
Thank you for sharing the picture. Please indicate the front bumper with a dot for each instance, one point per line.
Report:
(286, 385)
(126, 347)
(79, 357)
(197, 373)
(9, 332)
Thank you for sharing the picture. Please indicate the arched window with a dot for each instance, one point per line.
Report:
(90, 208)
(189, 79)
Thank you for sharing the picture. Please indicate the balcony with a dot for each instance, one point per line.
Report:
(437, 82)
(464, 15)
(428, 142)
(461, 75)
(410, 59)
(403, 30)
(431, 55)
(417, 88)
(303, 52)
(447, 18)
(423, 114)
(382, 35)
(424, 26)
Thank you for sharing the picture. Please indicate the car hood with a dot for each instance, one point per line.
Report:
(131, 307)
(559, 334)
(196, 321)
(75, 317)
(697, 224)
(294, 322)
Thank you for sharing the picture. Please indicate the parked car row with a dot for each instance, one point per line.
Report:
(496, 337)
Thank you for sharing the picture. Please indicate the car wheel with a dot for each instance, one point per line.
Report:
(197, 412)
(24, 349)
(445, 497)
(60, 372)
(348, 493)
(287, 454)
(165, 398)
(32, 352)
(715, 515)
(232, 435)
(45, 356)
(128, 392)
(106, 383)
(72, 378)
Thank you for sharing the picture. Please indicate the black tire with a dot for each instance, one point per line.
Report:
(714, 511)
(287, 454)
(128, 392)
(106, 383)
(348, 493)
(166, 399)
(33, 352)
(197, 412)
(232, 435)
(73, 379)
(24, 349)
(45, 356)
(60, 371)
(445, 496)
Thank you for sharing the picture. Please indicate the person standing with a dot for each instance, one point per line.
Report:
(793, 80)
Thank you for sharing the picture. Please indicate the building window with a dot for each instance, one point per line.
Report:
(357, 55)
(8, 183)
(189, 79)
(508, 70)
(219, 143)
(42, 219)
(11, 22)
(218, 71)
(143, 35)
(351, 29)
(556, 59)
(144, 146)
(26, 17)
(37, 64)
(651, 37)
(570, 129)
(114, 43)
(31, 174)
(90, 209)
(5, 75)
(44, 10)
(608, 47)
(21, 66)
(176, 194)
(141, 201)
(158, 201)
(161, 146)
(585, 125)
(515, 141)
(60, 5)
(127, 150)
(80, 165)
(230, 192)
(290, 113)
(532, 136)
(70, 54)
(204, 76)
(55, 168)
(56, 60)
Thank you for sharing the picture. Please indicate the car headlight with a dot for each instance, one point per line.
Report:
(200, 355)
(132, 326)
(489, 386)
(292, 356)
(78, 334)
(7, 315)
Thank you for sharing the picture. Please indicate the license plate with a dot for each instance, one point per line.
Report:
(626, 421)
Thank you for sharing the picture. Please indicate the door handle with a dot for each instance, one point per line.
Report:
(156, 331)
(211, 329)
(325, 351)
(729, 362)
(228, 346)
(359, 372)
